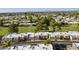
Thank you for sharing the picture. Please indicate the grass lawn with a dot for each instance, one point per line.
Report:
(73, 27)
(26, 29)
(4, 30)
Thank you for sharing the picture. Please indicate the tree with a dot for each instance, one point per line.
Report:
(25, 18)
(61, 37)
(63, 24)
(39, 27)
(13, 27)
(42, 24)
(1, 22)
(47, 41)
(6, 43)
(31, 19)
(38, 18)
(52, 24)
(55, 25)
(78, 27)
(45, 27)
(46, 21)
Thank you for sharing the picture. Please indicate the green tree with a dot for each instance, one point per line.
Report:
(42, 24)
(47, 41)
(39, 27)
(13, 28)
(55, 25)
(46, 21)
(31, 19)
(6, 43)
(45, 27)
(1, 22)
(78, 27)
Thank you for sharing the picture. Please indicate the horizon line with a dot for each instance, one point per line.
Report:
(16, 10)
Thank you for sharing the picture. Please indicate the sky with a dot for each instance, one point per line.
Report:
(5, 10)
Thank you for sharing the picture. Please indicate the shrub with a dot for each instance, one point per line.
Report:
(6, 43)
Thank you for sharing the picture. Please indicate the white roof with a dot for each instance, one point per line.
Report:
(14, 35)
(29, 47)
(51, 34)
(44, 33)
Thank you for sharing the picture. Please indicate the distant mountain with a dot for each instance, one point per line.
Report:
(11, 10)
